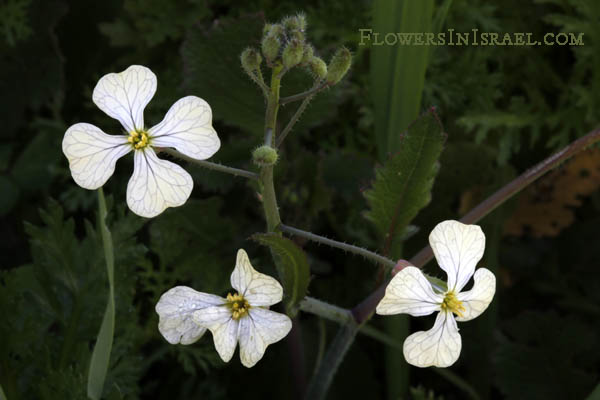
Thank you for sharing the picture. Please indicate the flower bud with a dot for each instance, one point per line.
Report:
(309, 53)
(338, 66)
(251, 60)
(295, 23)
(318, 67)
(265, 156)
(277, 30)
(270, 47)
(267, 29)
(292, 54)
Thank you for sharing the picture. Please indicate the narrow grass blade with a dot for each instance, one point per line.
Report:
(101, 354)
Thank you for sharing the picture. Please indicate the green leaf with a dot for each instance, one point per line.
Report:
(295, 275)
(398, 72)
(403, 185)
(101, 355)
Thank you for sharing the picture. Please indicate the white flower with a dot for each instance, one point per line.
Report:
(244, 317)
(155, 184)
(457, 248)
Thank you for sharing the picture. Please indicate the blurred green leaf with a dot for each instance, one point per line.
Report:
(397, 72)
(10, 195)
(549, 361)
(295, 275)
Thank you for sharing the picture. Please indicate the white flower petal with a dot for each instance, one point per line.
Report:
(457, 248)
(439, 347)
(124, 95)
(175, 309)
(156, 184)
(259, 289)
(223, 328)
(92, 154)
(411, 293)
(480, 296)
(187, 127)
(258, 330)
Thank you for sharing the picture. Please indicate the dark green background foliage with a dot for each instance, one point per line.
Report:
(503, 109)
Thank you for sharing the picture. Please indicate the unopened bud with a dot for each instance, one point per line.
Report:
(309, 53)
(265, 156)
(338, 66)
(318, 67)
(277, 30)
(251, 60)
(270, 47)
(267, 29)
(295, 23)
(292, 54)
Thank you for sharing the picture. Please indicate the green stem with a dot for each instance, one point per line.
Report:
(2, 395)
(326, 310)
(211, 165)
(340, 245)
(300, 96)
(258, 79)
(271, 210)
(294, 119)
(322, 344)
(266, 173)
(321, 381)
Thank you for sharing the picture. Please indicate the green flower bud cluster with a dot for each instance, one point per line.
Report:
(285, 44)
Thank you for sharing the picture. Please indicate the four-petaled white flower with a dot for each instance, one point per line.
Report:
(155, 184)
(244, 317)
(457, 248)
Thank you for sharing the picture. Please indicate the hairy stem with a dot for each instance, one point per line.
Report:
(339, 245)
(271, 210)
(294, 119)
(300, 96)
(211, 165)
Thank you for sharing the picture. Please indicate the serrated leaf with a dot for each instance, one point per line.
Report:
(295, 272)
(403, 184)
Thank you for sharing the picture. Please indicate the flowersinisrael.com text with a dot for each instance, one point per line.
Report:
(471, 38)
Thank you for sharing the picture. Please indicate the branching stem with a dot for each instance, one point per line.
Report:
(211, 165)
(340, 245)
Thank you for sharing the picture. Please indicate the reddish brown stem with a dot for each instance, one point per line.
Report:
(363, 311)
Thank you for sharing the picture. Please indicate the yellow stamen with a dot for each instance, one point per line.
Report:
(452, 304)
(238, 305)
(138, 139)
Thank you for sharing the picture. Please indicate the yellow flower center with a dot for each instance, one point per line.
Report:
(238, 305)
(452, 304)
(138, 139)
